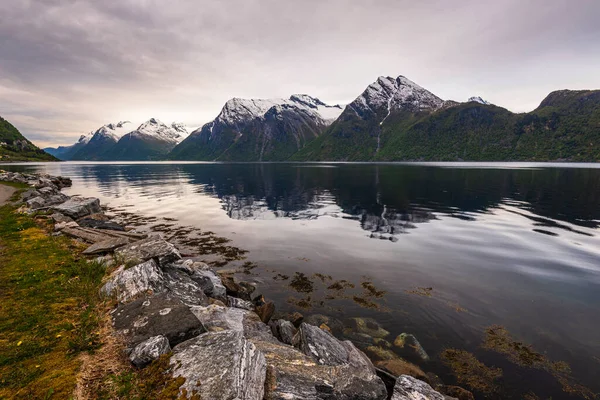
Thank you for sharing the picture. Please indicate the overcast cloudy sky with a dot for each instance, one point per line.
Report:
(70, 66)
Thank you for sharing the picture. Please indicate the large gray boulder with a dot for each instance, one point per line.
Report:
(220, 365)
(202, 274)
(153, 247)
(217, 318)
(128, 284)
(78, 207)
(149, 350)
(183, 287)
(293, 375)
(321, 346)
(161, 314)
(409, 388)
(354, 375)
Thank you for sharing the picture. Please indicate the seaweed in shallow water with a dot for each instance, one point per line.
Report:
(498, 339)
(471, 372)
(301, 284)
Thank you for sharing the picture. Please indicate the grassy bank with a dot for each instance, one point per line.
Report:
(56, 338)
(48, 308)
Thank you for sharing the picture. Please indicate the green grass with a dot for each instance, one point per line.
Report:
(49, 309)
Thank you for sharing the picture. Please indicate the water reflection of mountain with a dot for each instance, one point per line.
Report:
(391, 199)
(384, 199)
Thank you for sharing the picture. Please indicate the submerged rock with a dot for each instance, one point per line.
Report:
(411, 346)
(319, 319)
(149, 350)
(409, 388)
(160, 314)
(127, 284)
(369, 326)
(220, 365)
(78, 207)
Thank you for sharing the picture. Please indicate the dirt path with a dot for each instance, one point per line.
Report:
(5, 193)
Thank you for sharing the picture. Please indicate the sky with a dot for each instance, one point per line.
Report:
(68, 67)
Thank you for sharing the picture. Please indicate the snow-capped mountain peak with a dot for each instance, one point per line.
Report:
(393, 94)
(479, 100)
(157, 129)
(237, 110)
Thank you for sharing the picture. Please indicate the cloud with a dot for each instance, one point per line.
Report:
(68, 66)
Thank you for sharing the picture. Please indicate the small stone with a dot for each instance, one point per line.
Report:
(369, 326)
(58, 217)
(325, 328)
(266, 311)
(36, 202)
(149, 350)
(379, 353)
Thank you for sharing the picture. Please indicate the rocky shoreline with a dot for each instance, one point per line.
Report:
(223, 342)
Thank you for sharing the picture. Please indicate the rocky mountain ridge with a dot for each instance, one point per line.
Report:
(258, 129)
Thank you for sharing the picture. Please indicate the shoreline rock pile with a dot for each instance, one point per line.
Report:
(220, 340)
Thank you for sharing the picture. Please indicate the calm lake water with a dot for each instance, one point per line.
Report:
(457, 248)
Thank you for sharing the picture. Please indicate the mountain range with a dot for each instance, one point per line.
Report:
(393, 119)
(152, 140)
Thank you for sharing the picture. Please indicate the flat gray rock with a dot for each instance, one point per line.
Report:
(149, 350)
(160, 314)
(106, 246)
(153, 247)
(220, 365)
(409, 388)
(128, 284)
(78, 207)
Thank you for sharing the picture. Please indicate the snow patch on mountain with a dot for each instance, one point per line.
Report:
(479, 100)
(156, 129)
(239, 110)
(393, 94)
